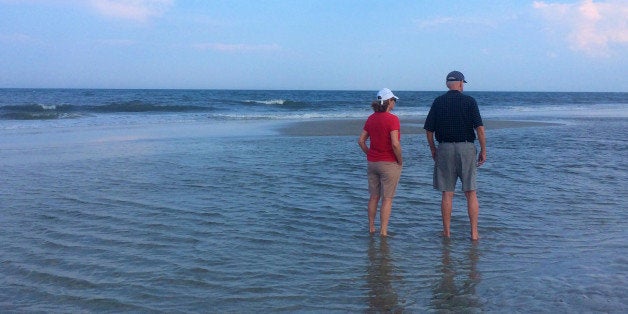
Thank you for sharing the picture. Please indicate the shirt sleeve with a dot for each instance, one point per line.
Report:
(475, 115)
(367, 124)
(396, 125)
(429, 120)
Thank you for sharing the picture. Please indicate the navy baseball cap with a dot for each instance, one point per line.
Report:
(455, 76)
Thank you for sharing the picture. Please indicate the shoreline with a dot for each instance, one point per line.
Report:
(342, 127)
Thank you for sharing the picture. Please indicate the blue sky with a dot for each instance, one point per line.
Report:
(499, 45)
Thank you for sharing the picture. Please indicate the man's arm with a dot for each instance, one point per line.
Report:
(430, 141)
(482, 140)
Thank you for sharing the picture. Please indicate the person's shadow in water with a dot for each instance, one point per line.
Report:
(455, 290)
(382, 296)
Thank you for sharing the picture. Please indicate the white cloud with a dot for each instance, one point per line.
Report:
(116, 42)
(137, 10)
(435, 22)
(591, 27)
(236, 47)
(446, 21)
(16, 38)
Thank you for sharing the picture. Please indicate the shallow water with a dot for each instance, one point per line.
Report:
(185, 222)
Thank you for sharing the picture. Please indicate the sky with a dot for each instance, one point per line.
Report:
(499, 45)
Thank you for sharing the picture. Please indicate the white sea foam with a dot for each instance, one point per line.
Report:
(48, 107)
(268, 102)
(557, 111)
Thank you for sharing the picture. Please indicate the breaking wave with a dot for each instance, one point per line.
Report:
(47, 112)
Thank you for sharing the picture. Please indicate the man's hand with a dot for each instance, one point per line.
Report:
(482, 158)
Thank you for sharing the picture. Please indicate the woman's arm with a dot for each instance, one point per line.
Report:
(396, 146)
(362, 141)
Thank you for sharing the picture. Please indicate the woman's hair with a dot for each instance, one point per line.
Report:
(379, 105)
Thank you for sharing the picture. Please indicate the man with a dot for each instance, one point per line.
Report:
(454, 119)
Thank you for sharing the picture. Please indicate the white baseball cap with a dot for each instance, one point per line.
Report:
(385, 94)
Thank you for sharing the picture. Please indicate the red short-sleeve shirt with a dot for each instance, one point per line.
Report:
(379, 125)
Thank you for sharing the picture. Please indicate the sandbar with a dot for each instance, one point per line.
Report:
(343, 127)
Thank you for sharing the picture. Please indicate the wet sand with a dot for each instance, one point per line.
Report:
(354, 126)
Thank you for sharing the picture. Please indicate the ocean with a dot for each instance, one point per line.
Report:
(187, 201)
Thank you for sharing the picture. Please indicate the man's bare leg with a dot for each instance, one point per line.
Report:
(385, 215)
(473, 207)
(372, 212)
(445, 209)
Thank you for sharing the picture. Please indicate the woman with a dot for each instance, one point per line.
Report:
(383, 156)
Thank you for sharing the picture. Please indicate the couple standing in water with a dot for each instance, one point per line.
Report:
(454, 119)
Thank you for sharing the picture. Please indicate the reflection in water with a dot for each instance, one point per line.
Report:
(456, 289)
(380, 278)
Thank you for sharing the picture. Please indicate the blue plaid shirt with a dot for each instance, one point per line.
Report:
(453, 117)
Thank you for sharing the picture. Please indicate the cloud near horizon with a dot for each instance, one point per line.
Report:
(446, 21)
(222, 47)
(136, 10)
(16, 38)
(591, 27)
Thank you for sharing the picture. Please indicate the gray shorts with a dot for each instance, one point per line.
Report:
(453, 161)
(383, 178)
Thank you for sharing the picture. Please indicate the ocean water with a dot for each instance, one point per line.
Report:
(195, 201)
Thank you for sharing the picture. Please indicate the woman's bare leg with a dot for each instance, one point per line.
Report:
(385, 214)
(372, 212)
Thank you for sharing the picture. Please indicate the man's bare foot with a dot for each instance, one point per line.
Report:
(446, 234)
(475, 237)
(372, 230)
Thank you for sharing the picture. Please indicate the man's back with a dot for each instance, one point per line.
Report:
(453, 117)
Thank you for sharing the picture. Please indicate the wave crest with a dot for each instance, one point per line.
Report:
(47, 112)
(267, 102)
